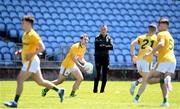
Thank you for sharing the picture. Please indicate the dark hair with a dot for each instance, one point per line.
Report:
(103, 25)
(29, 19)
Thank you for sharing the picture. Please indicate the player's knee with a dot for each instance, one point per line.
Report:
(59, 81)
(40, 82)
(81, 79)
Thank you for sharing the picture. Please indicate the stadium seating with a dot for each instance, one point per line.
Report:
(62, 22)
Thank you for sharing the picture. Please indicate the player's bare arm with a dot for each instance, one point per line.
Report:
(132, 46)
(154, 51)
(40, 48)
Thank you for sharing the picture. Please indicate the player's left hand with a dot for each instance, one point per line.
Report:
(134, 59)
(146, 55)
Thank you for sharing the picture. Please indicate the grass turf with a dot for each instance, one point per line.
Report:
(117, 96)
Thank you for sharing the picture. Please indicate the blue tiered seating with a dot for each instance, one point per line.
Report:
(62, 22)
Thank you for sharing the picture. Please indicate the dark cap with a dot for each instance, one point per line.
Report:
(164, 20)
(152, 25)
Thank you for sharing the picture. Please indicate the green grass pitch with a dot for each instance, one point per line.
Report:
(117, 96)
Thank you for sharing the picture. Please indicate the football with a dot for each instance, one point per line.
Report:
(88, 67)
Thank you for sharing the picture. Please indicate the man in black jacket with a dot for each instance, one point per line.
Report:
(103, 43)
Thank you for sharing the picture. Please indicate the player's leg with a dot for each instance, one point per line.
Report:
(79, 78)
(104, 77)
(154, 77)
(60, 80)
(22, 76)
(139, 66)
(37, 77)
(97, 77)
(142, 87)
(167, 87)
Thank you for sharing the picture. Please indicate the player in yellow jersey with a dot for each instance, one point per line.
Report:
(166, 61)
(71, 64)
(146, 43)
(31, 46)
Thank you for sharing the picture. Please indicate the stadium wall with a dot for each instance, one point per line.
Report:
(10, 73)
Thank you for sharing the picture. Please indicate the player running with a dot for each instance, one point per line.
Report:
(146, 43)
(72, 64)
(166, 61)
(31, 46)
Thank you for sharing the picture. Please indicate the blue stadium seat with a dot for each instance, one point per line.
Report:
(68, 10)
(44, 27)
(76, 39)
(35, 9)
(1, 58)
(51, 39)
(47, 15)
(92, 10)
(2, 44)
(19, 8)
(65, 33)
(60, 39)
(5, 14)
(10, 8)
(49, 51)
(64, 4)
(7, 58)
(68, 39)
(13, 33)
(55, 15)
(69, 28)
(74, 22)
(2, 8)
(56, 33)
(2, 27)
(7, 2)
(128, 60)
(4, 50)
(15, 20)
(71, 16)
(32, 3)
(125, 52)
(60, 10)
(12, 51)
(49, 21)
(120, 59)
(117, 51)
(100, 11)
(55, 44)
(47, 44)
(113, 59)
(10, 26)
(27, 8)
(44, 39)
(49, 4)
(40, 3)
(37, 27)
(63, 16)
(56, 4)
(38, 15)
(21, 14)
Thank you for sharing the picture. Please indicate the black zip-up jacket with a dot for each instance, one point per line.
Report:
(103, 45)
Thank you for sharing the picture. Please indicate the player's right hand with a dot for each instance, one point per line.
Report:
(18, 52)
(134, 59)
